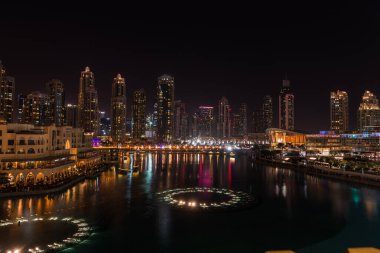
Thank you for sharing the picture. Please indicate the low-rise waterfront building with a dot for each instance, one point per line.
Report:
(43, 155)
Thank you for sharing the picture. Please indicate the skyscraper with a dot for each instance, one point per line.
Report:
(257, 121)
(7, 95)
(205, 121)
(236, 125)
(37, 109)
(286, 106)
(339, 111)
(369, 113)
(118, 110)
(88, 110)
(224, 119)
(71, 118)
(267, 112)
(55, 91)
(139, 114)
(180, 120)
(165, 108)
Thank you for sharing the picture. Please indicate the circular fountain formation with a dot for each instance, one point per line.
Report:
(42, 234)
(202, 198)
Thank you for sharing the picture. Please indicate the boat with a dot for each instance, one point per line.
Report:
(123, 171)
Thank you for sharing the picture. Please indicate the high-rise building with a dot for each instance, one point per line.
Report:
(7, 95)
(243, 131)
(118, 110)
(56, 93)
(339, 111)
(165, 108)
(369, 113)
(193, 125)
(205, 121)
(71, 117)
(37, 109)
(149, 126)
(88, 108)
(286, 106)
(257, 121)
(21, 103)
(180, 120)
(267, 112)
(224, 119)
(139, 114)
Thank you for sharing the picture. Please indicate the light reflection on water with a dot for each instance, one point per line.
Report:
(296, 211)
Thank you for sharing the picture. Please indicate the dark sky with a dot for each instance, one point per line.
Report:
(240, 51)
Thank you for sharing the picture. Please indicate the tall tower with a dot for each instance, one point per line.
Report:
(56, 93)
(286, 106)
(339, 111)
(369, 113)
(224, 119)
(118, 110)
(267, 112)
(139, 114)
(7, 95)
(88, 108)
(165, 108)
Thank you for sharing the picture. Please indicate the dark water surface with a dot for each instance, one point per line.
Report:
(294, 211)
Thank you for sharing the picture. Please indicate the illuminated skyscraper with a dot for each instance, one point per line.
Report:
(118, 110)
(88, 110)
(286, 106)
(55, 91)
(7, 95)
(205, 121)
(139, 114)
(257, 121)
(180, 120)
(267, 112)
(339, 111)
(37, 109)
(165, 108)
(224, 119)
(105, 125)
(369, 113)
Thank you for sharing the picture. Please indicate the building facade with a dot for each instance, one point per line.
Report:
(165, 108)
(286, 106)
(71, 117)
(88, 108)
(118, 110)
(139, 114)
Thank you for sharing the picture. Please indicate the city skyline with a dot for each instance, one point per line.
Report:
(327, 51)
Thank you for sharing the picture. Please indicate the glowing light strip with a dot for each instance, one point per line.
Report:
(83, 232)
(237, 198)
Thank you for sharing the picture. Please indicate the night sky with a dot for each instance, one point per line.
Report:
(238, 51)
